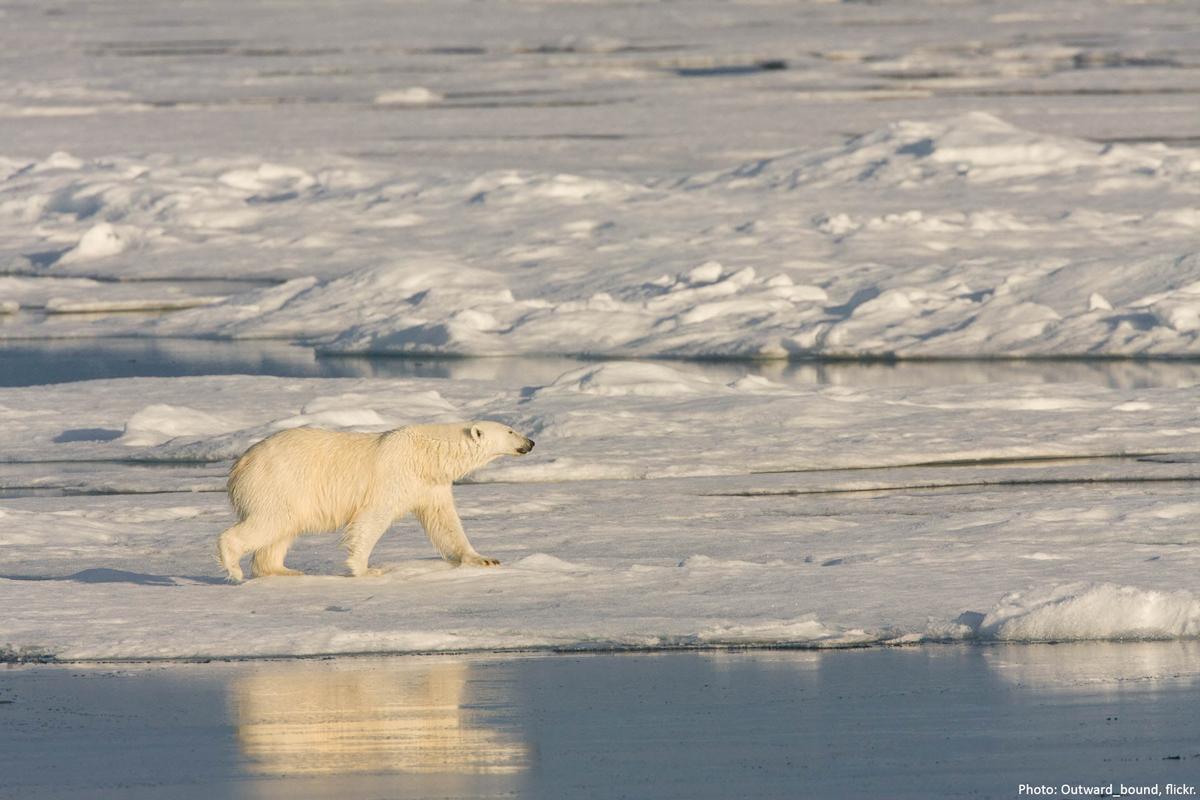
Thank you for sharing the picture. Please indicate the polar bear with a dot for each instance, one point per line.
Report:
(308, 480)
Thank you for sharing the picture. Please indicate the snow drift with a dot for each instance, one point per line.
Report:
(958, 237)
(1085, 611)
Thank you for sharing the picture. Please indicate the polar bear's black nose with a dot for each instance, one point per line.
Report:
(525, 448)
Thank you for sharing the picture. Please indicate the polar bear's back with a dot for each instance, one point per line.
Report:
(307, 478)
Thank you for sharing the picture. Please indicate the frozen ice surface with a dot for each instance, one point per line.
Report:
(964, 236)
(660, 509)
(65, 296)
(610, 564)
(589, 86)
(608, 420)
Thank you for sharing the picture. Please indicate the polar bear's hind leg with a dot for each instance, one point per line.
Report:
(250, 536)
(269, 560)
(230, 552)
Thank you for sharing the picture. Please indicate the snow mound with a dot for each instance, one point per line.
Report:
(268, 178)
(509, 187)
(425, 302)
(1092, 611)
(226, 440)
(707, 310)
(412, 96)
(544, 562)
(352, 411)
(623, 379)
(101, 241)
(160, 423)
(809, 632)
(709, 563)
(957, 237)
(974, 147)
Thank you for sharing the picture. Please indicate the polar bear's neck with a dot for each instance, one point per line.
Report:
(441, 459)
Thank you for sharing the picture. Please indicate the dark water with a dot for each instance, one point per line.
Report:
(30, 363)
(950, 721)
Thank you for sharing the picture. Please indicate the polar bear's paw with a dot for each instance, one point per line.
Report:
(476, 560)
(276, 571)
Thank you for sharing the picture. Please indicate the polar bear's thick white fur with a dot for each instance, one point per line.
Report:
(308, 480)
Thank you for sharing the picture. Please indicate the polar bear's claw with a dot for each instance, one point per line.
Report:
(481, 561)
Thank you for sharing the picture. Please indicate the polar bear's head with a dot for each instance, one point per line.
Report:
(499, 440)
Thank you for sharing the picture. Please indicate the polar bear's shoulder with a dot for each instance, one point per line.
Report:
(446, 431)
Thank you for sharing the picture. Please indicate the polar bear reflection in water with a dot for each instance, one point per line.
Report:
(408, 717)
(308, 480)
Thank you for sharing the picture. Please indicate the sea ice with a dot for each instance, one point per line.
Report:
(661, 509)
(962, 236)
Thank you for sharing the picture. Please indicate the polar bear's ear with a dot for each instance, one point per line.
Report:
(476, 433)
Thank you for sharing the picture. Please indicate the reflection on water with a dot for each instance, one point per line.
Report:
(907, 722)
(1096, 667)
(26, 363)
(409, 716)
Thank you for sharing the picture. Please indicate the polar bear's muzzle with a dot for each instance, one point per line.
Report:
(525, 448)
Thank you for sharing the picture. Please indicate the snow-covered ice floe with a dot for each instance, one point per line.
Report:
(659, 569)
(661, 509)
(954, 237)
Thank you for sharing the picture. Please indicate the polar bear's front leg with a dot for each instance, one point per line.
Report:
(440, 520)
(360, 537)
